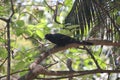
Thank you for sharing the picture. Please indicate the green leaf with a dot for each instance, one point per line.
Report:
(20, 23)
(19, 65)
(18, 57)
(2, 40)
(30, 27)
(42, 24)
(19, 31)
(40, 34)
(2, 69)
(3, 53)
(73, 50)
(118, 20)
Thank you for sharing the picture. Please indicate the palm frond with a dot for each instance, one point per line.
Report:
(86, 15)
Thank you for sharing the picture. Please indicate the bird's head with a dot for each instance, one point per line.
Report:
(48, 36)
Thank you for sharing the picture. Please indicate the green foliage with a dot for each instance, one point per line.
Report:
(32, 21)
(2, 40)
(4, 9)
(20, 23)
(85, 15)
(3, 53)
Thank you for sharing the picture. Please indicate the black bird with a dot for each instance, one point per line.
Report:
(62, 40)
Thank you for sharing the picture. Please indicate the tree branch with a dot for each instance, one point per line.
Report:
(36, 69)
(66, 74)
(14, 73)
(8, 41)
(104, 42)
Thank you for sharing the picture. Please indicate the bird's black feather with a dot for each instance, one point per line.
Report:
(62, 40)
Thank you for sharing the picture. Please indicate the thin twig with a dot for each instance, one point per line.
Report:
(48, 5)
(51, 65)
(32, 16)
(14, 73)
(55, 13)
(108, 76)
(54, 10)
(3, 61)
(89, 52)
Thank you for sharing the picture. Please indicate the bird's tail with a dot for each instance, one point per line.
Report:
(84, 43)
